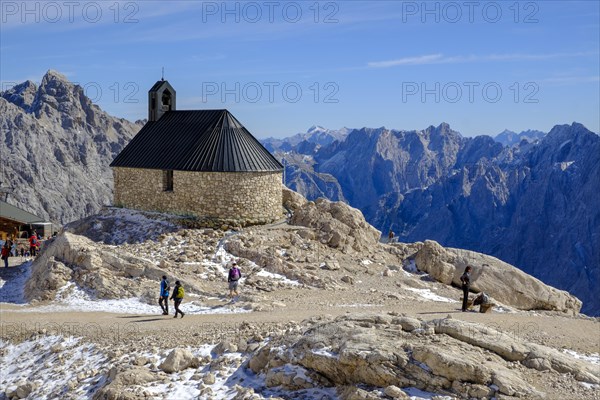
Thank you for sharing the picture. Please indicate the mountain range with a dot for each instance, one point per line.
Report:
(529, 199)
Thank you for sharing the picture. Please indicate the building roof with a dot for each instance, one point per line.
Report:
(14, 213)
(196, 140)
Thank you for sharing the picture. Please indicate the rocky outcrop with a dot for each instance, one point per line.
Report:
(98, 270)
(338, 224)
(502, 281)
(447, 357)
(58, 146)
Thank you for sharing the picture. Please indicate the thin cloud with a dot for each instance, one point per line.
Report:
(420, 60)
(441, 59)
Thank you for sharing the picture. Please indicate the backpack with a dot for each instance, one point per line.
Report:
(235, 274)
(180, 292)
(33, 241)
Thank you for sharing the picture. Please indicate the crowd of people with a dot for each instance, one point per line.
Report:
(13, 247)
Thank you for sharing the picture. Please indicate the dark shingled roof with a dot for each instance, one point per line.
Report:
(202, 140)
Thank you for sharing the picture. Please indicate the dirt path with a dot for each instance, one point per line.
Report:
(579, 334)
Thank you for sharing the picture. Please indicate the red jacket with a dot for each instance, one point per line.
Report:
(37, 241)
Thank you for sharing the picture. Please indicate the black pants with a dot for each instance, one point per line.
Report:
(465, 289)
(164, 307)
(177, 302)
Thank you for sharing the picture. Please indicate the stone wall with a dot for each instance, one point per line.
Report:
(237, 198)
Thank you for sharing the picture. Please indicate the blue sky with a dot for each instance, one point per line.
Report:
(281, 67)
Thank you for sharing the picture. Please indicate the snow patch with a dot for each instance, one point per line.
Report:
(12, 283)
(325, 352)
(72, 298)
(279, 278)
(429, 295)
(593, 358)
(49, 373)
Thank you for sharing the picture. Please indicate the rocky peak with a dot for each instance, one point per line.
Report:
(21, 95)
(63, 102)
(54, 134)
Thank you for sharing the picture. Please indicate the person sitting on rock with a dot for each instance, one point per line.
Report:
(163, 298)
(465, 279)
(233, 278)
(177, 298)
(483, 301)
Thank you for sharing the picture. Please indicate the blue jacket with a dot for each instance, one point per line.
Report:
(164, 287)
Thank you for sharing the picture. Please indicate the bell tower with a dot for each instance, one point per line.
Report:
(161, 99)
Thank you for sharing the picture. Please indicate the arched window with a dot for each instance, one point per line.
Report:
(166, 100)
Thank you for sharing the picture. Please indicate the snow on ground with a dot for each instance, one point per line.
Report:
(429, 295)
(593, 358)
(12, 283)
(72, 298)
(63, 361)
(121, 225)
(411, 266)
(50, 363)
(277, 277)
(325, 352)
(417, 394)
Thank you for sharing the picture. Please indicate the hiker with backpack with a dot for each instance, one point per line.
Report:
(33, 244)
(177, 298)
(5, 253)
(465, 280)
(233, 278)
(164, 295)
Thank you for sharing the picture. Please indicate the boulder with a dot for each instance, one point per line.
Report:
(292, 200)
(502, 281)
(178, 360)
(395, 393)
(120, 381)
(339, 225)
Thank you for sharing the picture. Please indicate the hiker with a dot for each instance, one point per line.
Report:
(483, 301)
(164, 295)
(5, 253)
(13, 249)
(177, 298)
(391, 236)
(33, 243)
(465, 279)
(233, 278)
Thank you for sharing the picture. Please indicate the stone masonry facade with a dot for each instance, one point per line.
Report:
(235, 198)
